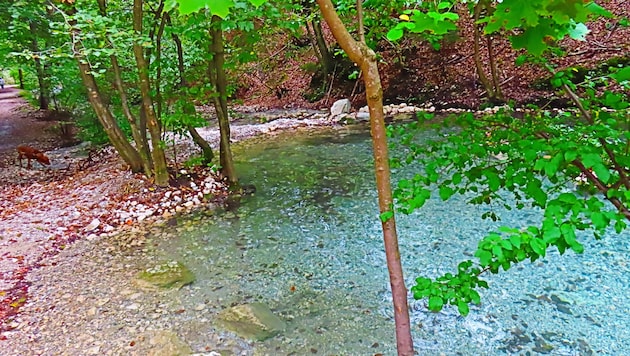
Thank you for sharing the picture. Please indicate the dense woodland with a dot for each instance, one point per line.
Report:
(127, 72)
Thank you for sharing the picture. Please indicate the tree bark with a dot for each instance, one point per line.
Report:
(180, 53)
(142, 144)
(218, 78)
(21, 78)
(116, 136)
(208, 154)
(39, 69)
(159, 158)
(365, 58)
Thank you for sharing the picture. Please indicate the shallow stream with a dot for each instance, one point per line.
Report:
(309, 245)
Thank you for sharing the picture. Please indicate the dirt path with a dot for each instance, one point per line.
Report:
(19, 124)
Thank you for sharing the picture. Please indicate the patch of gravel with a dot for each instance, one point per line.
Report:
(70, 246)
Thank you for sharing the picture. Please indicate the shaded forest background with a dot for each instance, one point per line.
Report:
(413, 72)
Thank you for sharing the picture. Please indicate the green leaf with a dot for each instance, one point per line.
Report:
(602, 172)
(485, 257)
(516, 241)
(474, 296)
(506, 245)
(552, 166)
(534, 190)
(569, 156)
(551, 234)
(538, 246)
(591, 159)
(596, 9)
(395, 34)
(463, 308)
(568, 232)
(446, 192)
(386, 215)
(443, 5)
(622, 75)
(220, 8)
(436, 303)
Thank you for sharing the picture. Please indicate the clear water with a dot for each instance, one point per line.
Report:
(309, 245)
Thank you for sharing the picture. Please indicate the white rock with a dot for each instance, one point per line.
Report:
(340, 107)
(93, 225)
(363, 115)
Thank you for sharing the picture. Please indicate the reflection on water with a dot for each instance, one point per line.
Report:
(309, 245)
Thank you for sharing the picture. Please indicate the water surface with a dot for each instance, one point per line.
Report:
(309, 245)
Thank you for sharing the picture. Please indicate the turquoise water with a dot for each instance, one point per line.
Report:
(309, 245)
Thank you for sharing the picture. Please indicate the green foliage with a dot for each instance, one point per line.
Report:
(537, 159)
(540, 22)
(433, 20)
(221, 8)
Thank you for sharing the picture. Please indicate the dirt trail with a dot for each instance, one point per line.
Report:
(19, 125)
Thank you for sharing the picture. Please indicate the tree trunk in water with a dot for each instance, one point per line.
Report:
(159, 158)
(220, 103)
(365, 58)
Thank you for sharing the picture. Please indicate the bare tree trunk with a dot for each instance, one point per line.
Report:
(208, 154)
(219, 80)
(142, 144)
(39, 69)
(498, 94)
(180, 53)
(21, 78)
(477, 53)
(159, 158)
(327, 59)
(365, 58)
(128, 153)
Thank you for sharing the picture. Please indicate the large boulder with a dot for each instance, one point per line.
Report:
(253, 321)
(168, 275)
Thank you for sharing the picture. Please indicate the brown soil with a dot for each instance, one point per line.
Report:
(415, 73)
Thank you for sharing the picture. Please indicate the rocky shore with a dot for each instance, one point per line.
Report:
(87, 216)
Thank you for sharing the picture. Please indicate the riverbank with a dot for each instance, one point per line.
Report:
(89, 195)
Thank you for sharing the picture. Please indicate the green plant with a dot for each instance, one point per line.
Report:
(537, 160)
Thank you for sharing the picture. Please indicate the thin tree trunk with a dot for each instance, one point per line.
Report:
(142, 144)
(220, 81)
(158, 59)
(21, 78)
(498, 94)
(365, 58)
(159, 158)
(116, 136)
(208, 154)
(327, 59)
(128, 153)
(180, 53)
(39, 69)
(477, 53)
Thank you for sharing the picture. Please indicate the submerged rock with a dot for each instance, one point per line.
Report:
(253, 321)
(164, 343)
(169, 275)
